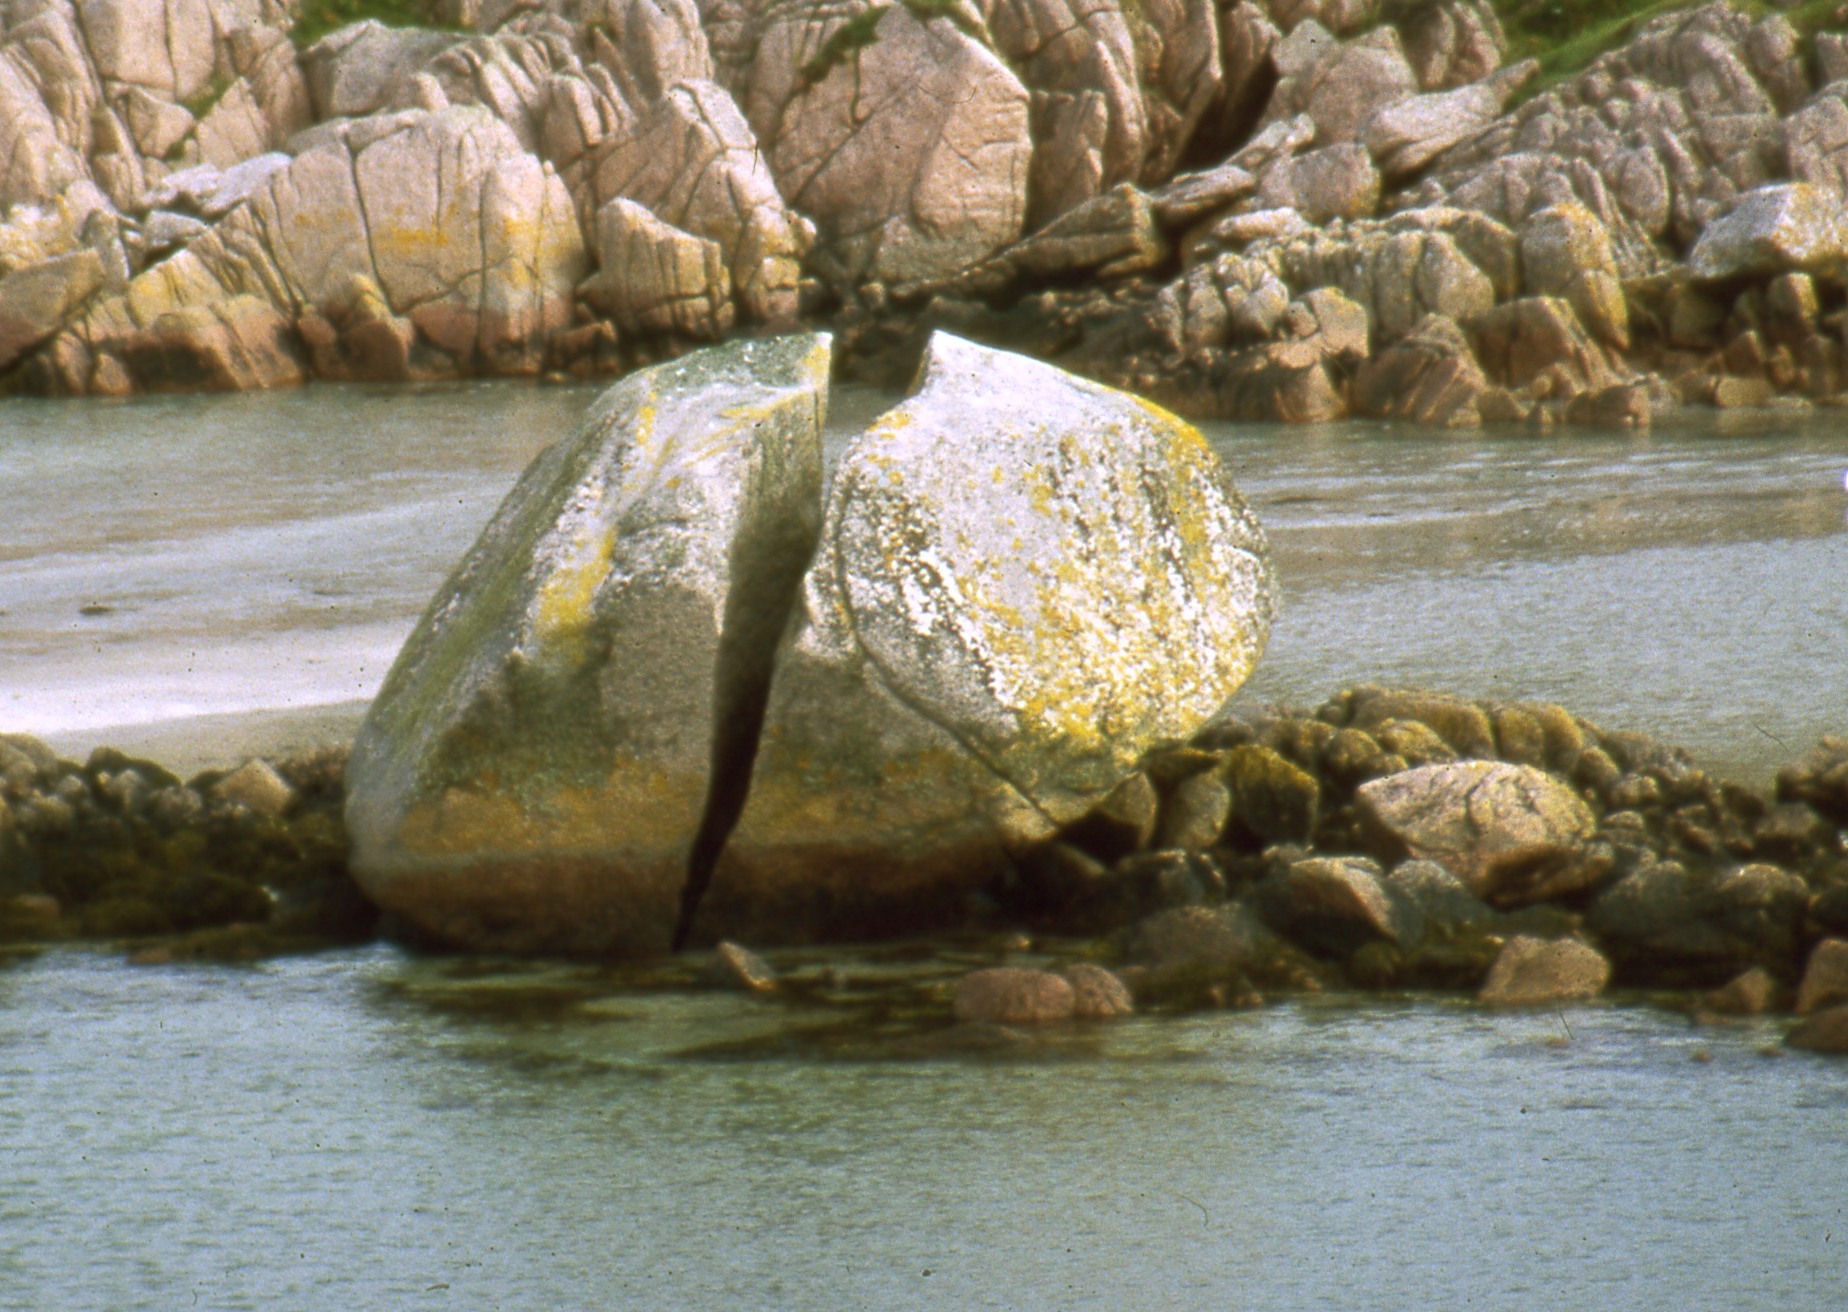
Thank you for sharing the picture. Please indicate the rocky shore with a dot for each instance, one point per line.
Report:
(1261, 209)
(1391, 841)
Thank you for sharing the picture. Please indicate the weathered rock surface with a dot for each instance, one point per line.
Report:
(535, 771)
(1025, 581)
(1484, 820)
(1772, 229)
(1533, 972)
(904, 138)
(1011, 995)
(468, 239)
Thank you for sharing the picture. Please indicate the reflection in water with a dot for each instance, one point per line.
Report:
(319, 1133)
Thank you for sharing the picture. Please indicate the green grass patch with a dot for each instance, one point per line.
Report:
(855, 34)
(317, 18)
(1568, 36)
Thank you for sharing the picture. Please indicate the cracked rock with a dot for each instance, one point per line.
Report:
(650, 680)
(534, 773)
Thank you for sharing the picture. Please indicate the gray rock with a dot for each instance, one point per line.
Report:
(535, 770)
(1531, 972)
(1790, 226)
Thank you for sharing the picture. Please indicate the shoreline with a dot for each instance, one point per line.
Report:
(1256, 862)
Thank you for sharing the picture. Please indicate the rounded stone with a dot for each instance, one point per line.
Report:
(1010, 995)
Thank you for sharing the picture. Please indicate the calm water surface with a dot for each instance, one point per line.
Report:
(203, 576)
(353, 1131)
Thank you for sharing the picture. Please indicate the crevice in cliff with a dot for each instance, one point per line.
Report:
(770, 555)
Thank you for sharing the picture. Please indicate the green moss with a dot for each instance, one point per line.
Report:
(317, 18)
(855, 34)
(207, 98)
(1568, 36)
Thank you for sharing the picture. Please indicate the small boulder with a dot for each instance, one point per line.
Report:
(1752, 993)
(736, 966)
(1097, 994)
(1826, 1031)
(1794, 225)
(1532, 972)
(1273, 800)
(1194, 815)
(1825, 977)
(1332, 905)
(256, 786)
(1010, 995)
(1484, 820)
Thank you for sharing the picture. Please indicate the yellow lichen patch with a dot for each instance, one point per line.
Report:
(563, 612)
(635, 809)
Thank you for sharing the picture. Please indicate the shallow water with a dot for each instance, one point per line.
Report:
(369, 1130)
(204, 577)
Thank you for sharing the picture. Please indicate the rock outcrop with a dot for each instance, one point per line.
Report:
(1022, 581)
(1041, 176)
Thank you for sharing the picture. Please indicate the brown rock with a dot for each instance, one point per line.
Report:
(1752, 993)
(737, 966)
(1481, 819)
(1537, 342)
(1333, 904)
(1452, 43)
(1429, 376)
(1010, 995)
(1826, 1031)
(1531, 972)
(256, 785)
(35, 301)
(1272, 799)
(1789, 226)
(1097, 994)
(1825, 977)
(1194, 815)
(1122, 823)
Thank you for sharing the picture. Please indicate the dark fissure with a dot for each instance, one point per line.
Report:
(768, 562)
